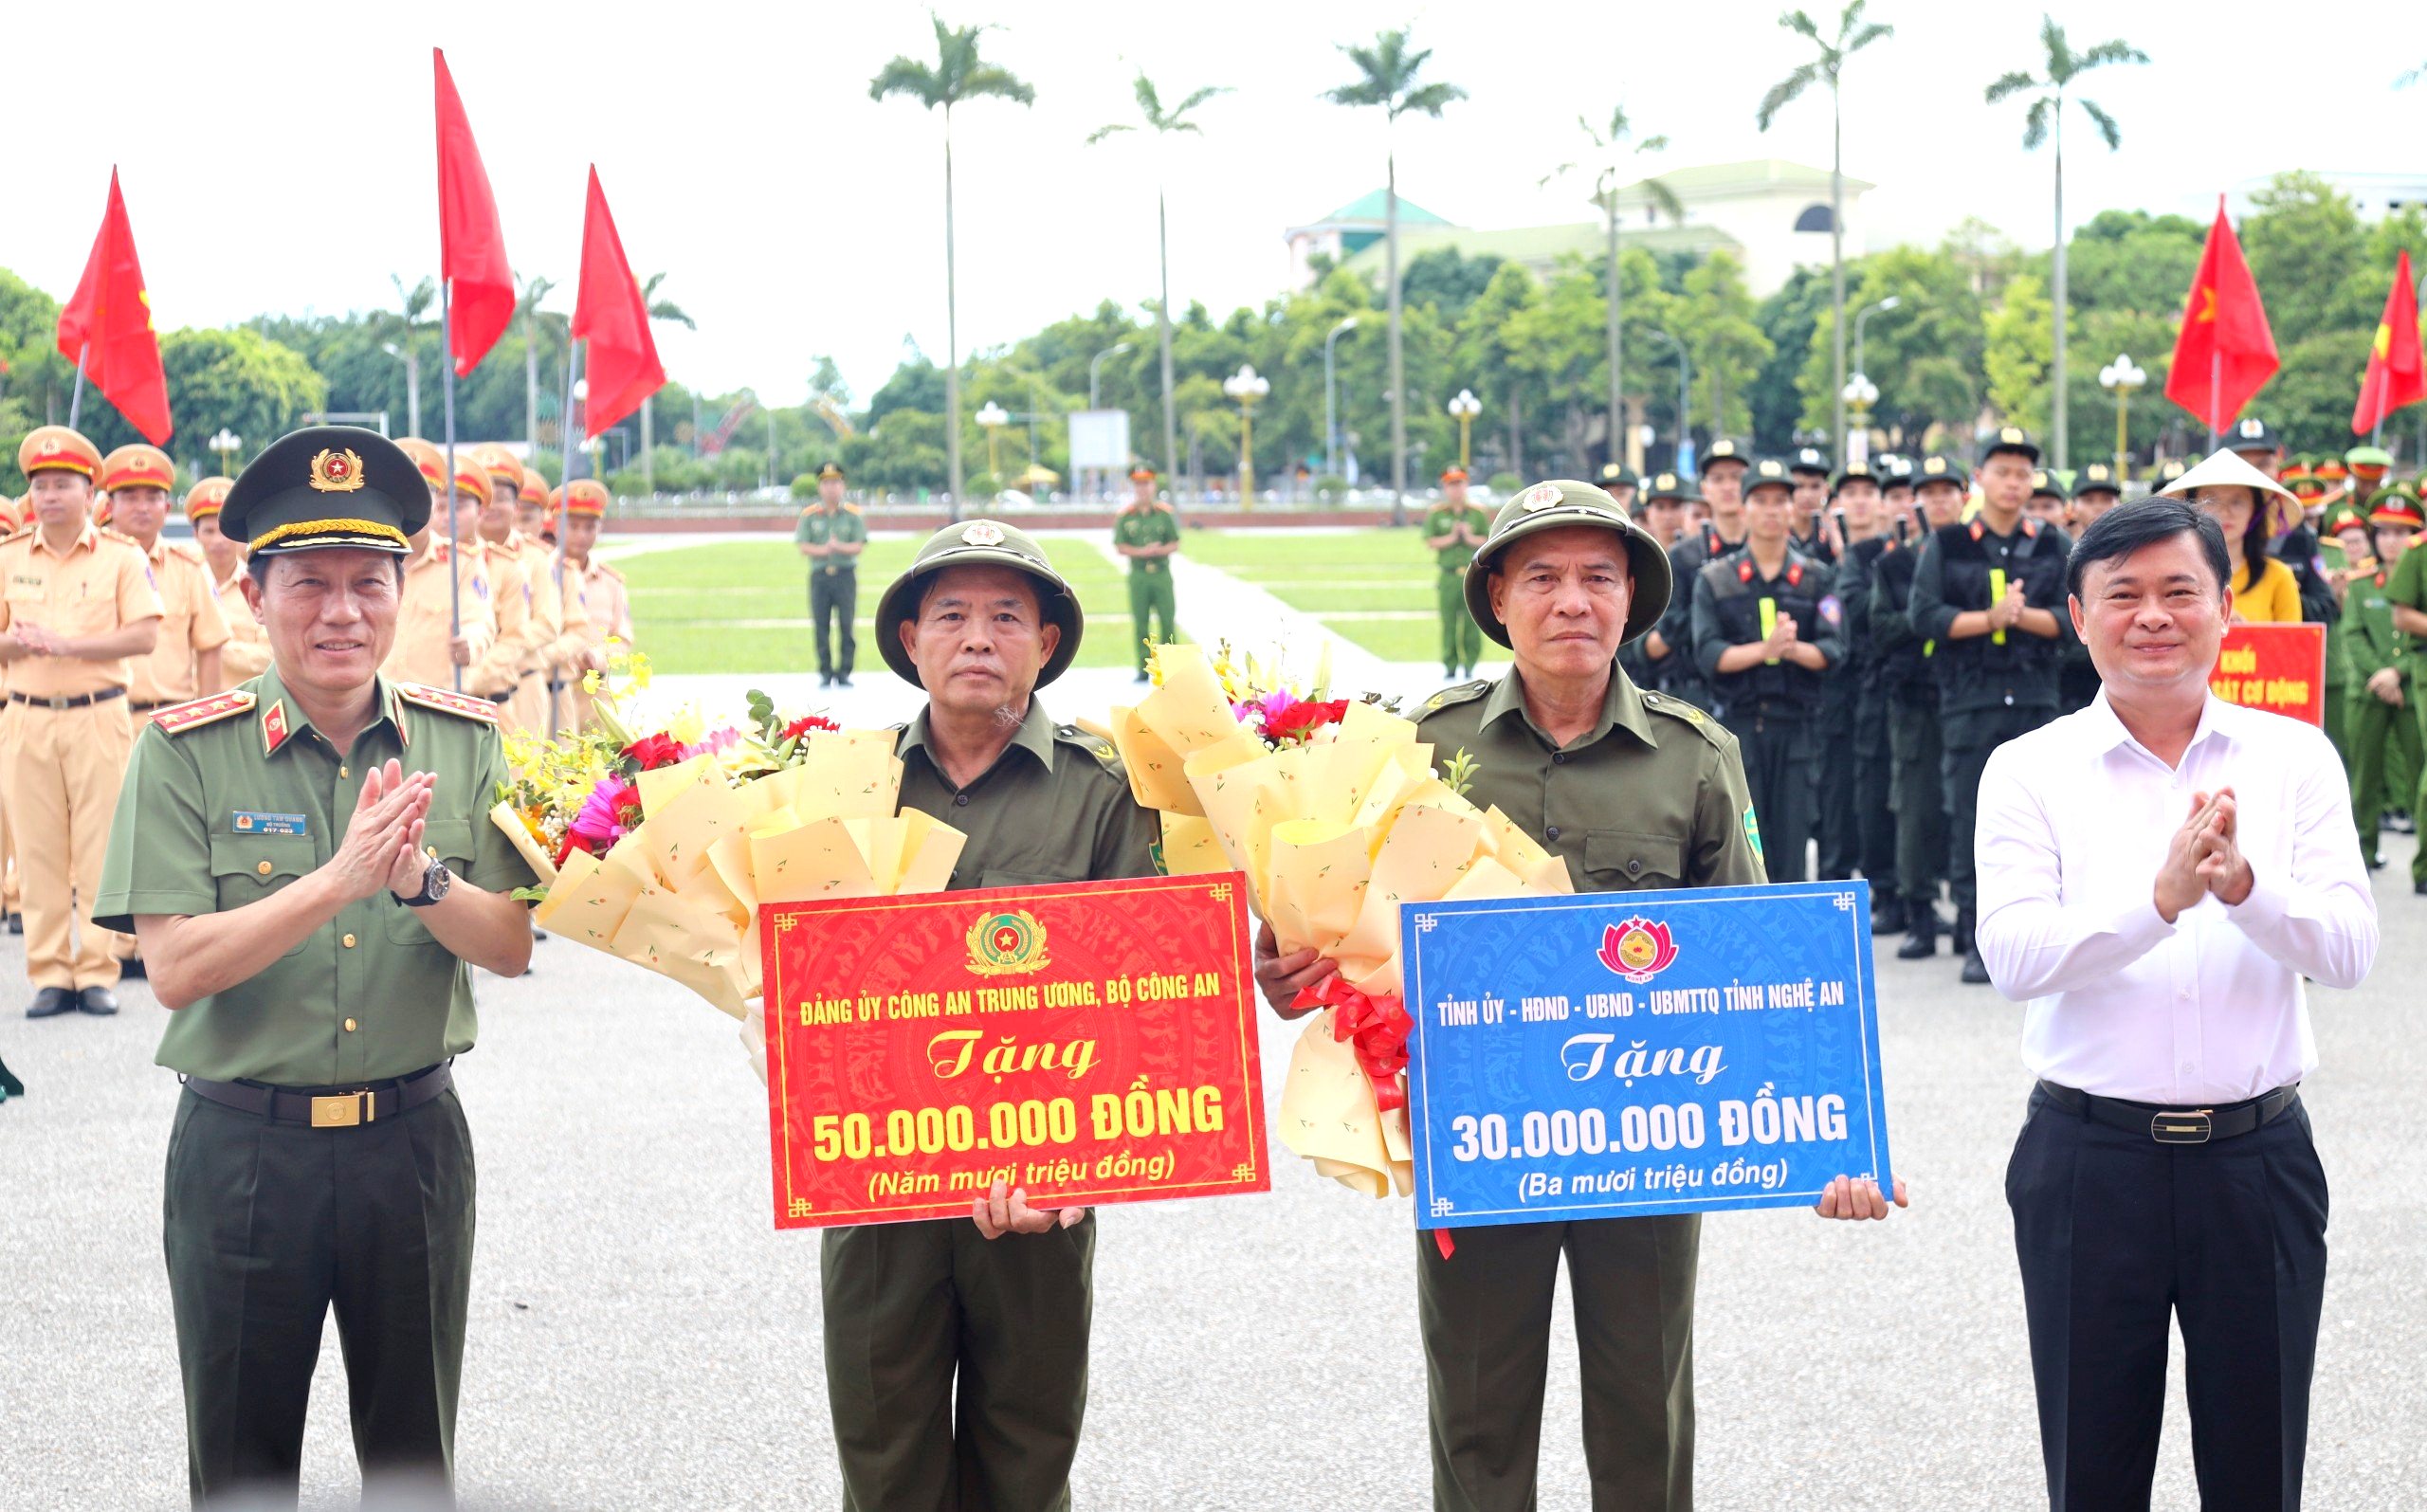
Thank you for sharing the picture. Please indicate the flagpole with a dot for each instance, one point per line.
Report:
(76, 399)
(455, 516)
(2216, 395)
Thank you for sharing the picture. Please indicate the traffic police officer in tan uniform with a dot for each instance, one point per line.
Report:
(79, 605)
(246, 654)
(957, 1350)
(444, 629)
(1635, 789)
(607, 606)
(308, 862)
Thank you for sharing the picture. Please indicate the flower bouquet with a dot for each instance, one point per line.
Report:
(1336, 813)
(660, 846)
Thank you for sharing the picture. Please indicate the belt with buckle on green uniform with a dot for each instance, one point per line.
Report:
(328, 1107)
(2164, 1126)
(79, 701)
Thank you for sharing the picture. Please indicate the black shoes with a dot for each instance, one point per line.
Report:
(1921, 934)
(1960, 937)
(98, 1001)
(133, 966)
(1976, 971)
(10, 1085)
(1888, 915)
(51, 1002)
(16, 923)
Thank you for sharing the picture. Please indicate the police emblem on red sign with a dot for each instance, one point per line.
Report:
(1637, 949)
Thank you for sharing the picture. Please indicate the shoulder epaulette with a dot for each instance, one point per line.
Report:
(189, 552)
(1677, 708)
(1095, 745)
(1463, 693)
(181, 718)
(112, 532)
(852, 507)
(446, 700)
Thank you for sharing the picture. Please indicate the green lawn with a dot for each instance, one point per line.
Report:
(1345, 579)
(743, 605)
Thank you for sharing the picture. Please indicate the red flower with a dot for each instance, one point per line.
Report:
(805, 725)
(651, 752)
(1300, 720)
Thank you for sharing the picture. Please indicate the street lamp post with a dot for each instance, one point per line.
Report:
(1685, 375)
(413, 384)
(2120, 377)
(226, 444)
(1095, 366)
(1864, 314)
(994, 418)
(1466, 407)
(1245, 388)
(1331, 405)
(1860, 393)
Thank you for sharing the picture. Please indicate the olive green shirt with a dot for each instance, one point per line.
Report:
(1454, 556)
(2407, 587)
(819, 528)
(228, 812)
(1652, 796)
(1054, 807)
(1157, 526)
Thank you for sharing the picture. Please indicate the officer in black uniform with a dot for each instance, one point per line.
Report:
(1808, 530)
(1764, 647)
(1908, 683)
(1991, 595)
(1660, 509)
(1895, 472)
(1864, 833)
(1722, 483)
(2096, 491)
(1620, 482)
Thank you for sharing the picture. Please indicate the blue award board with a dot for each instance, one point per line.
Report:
(1616, 1054)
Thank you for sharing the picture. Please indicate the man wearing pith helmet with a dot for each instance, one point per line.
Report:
(957, 1349)
(308, 862)
(1635, 790)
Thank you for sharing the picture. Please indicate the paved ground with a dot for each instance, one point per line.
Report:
(642, 1337)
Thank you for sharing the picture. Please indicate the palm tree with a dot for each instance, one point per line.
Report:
(1163, 123)
(658, 310)
(2047, 115)
(958, 75)
(1610, 154)
(1387, 73)
(1853, 35)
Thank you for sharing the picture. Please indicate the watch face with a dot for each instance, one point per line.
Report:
(436, 882)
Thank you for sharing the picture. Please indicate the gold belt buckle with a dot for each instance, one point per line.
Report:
(343, 1110)
(2193, 1127)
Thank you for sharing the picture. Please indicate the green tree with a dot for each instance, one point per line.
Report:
(1557, 342)
(666, 310)
(1728, 341)
(1607, 163)
(957, 75)
(1447, 280)
(2017, 353)
(1853, 35)
(1922, 354)
(1386, 79)
(1163, 123)
(528, 294)
(2045, 123)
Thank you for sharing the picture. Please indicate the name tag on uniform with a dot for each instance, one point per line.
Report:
(249, 823)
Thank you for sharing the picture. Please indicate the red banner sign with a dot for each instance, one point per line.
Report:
(2280, 669)
(1093, 1043)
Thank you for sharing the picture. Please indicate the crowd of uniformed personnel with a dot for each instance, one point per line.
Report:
(107, 622)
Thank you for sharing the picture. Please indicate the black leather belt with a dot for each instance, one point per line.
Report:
(140, 706)
(2166, 1125)
(328, 1107)
(498, 698)
(80, 701)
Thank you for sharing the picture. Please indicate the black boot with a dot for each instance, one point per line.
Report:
(10, 1085)
(1960, 937)
(1921, 933)
(1976, 971)
(1887, 914)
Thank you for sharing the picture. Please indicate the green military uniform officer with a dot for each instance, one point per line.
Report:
(308, 863)
(2407, 590)
(2381, 721)
(831, 534)
(1147, 533)
(957, 1351)
(1452, 532)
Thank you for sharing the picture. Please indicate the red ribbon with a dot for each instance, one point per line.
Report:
(1378, 1026)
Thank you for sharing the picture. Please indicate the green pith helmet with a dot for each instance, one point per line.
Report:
(1549, 506)
(977, 543)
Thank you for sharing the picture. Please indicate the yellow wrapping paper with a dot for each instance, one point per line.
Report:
(688, 940)
(676, 836)
(589, 899)
(1189, 846)
(1156, 780)
(1328, 1116)
(1319, 874)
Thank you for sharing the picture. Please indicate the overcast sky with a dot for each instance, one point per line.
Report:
(280, 157)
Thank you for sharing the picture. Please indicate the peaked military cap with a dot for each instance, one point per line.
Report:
(2011, 440)
(1550, 507)
(833, 469)
(1809, 459)
(2254, 435)
(2097, 478)
(2396, 505)
(583, 496)
(56, 448)
(1767, 473)
(979, 544)
(2377, 456)
(2345, 516)
(138, 467)
(1941, 469)
(207, 496)
(327, 487)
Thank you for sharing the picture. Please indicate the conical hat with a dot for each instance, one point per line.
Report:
(2226, 469)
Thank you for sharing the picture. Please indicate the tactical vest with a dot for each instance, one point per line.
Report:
(1974, 566)
(1747, 606)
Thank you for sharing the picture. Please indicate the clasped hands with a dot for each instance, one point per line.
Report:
(382, 843)
(2204, 856)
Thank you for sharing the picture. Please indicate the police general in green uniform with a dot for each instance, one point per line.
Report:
(1633, 790)
(1148, 535)
(1991, 595)
(831, 534)
(308, 863)
(957, 1350)
(1452, 532)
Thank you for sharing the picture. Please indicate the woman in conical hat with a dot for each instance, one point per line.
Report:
(2252, 509)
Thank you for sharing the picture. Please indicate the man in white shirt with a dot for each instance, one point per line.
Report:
(2158, 872)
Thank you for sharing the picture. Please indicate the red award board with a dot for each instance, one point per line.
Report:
(2280, 669)
(1091, 1042)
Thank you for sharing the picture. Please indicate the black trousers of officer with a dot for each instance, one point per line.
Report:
(268, 1227)
(1778, 761)
(2114, 1232)
(1833, 823)
(1970, 735)
(1920, 783)
(955, 1365)
(1874, 798)
(1486, 1316)
(833, 600)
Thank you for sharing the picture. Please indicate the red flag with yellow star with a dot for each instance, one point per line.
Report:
(107, 325)
(2224, 353)
(2396, 375)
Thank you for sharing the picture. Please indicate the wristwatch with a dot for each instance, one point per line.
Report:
(434, 883)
